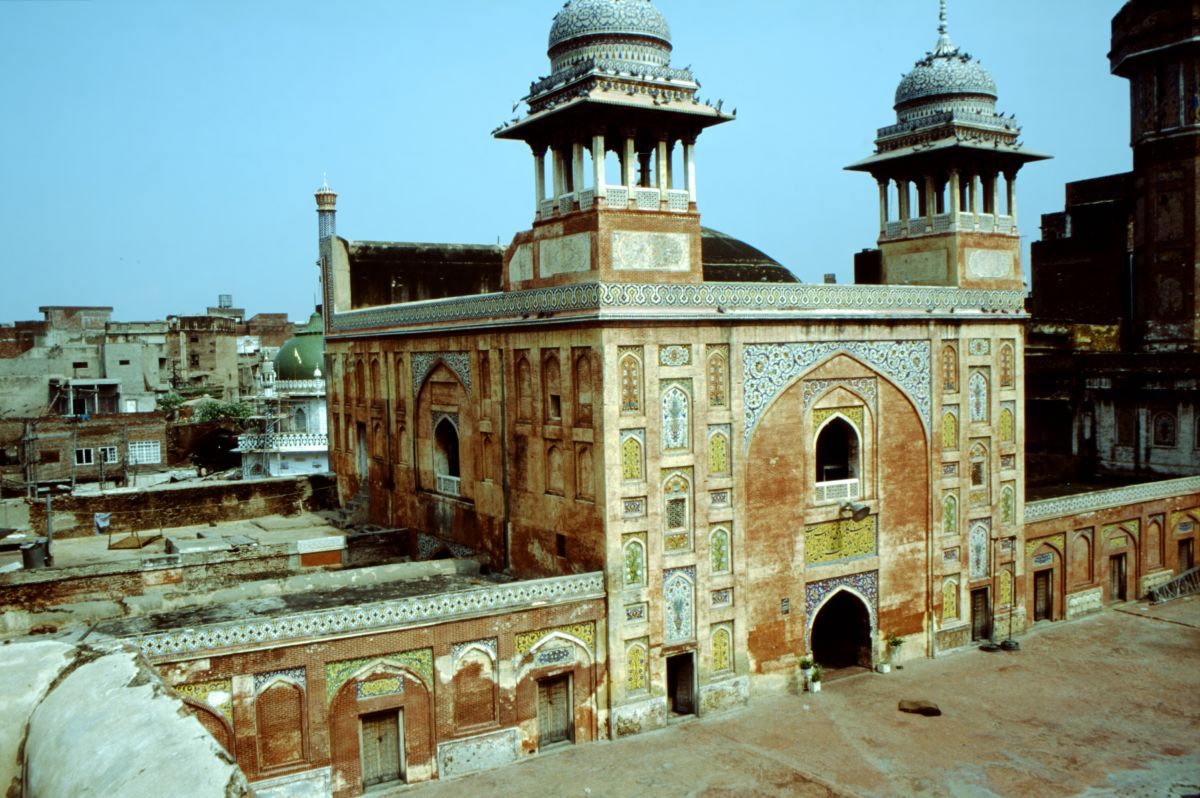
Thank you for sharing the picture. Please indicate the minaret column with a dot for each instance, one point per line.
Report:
(974, 199)
(326, 212)
(883, 206)
(539, 179)
(577, 169)
(1010, 185)
(930, 200)
(955, 192)
(902, 188)
(689, 166)
(599, 178)
(558, 173)
(995, 192)
(631, 165)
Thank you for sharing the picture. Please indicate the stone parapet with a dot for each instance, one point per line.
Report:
(1105, 499)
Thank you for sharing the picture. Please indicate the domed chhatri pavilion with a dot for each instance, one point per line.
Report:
(941, 168)
(291, 436)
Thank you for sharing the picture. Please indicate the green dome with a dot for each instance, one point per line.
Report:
(303, 357)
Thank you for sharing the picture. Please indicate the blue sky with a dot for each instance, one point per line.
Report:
(161, 152)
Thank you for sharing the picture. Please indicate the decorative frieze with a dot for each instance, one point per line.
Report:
(424, 362)
(374, 616)
(1113, 497)
(674, 301)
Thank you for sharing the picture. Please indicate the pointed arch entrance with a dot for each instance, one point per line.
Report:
(841, 632)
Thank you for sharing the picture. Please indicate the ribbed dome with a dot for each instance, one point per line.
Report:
(945, 79)
(580, 18)
(303, 357)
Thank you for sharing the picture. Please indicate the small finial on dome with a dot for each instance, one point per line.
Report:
(944, 45)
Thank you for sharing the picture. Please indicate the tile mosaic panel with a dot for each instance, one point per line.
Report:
(718, 376)
(424, 362)
(1008, 503)
(978, 547)
(722, 597)
(1058, 541)
(584, 632)
(950, 600)
(721, 644)
(720, 550)
(553, 655)
(718, 450)
(1008, 461)
(853, 414)
(630, 360)
(217, 694)
(836, 541)
(949, 469)
(337, 674)
(866, 387)
(1008, 369)
(950, 555)
(979, 347)
(950, 427)
(679, 600)
(1184, 521)
(633, 548)
(633, 459)
(978, 396)
(719, 498)
(264, 680)
(950, 513)
(949, 369)
(768, 369)
(377, 688)
(1044, 559)
(488, 644)
(675, 355)
(1008, 422)
(637, 666)
(676, 414)
(1006, 588)
(634, 508)
(637, 613)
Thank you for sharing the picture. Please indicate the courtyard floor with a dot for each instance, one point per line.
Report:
(1104, 706)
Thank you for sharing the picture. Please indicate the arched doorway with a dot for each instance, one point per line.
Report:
(837, 452)
(445, 451)
(841, 632)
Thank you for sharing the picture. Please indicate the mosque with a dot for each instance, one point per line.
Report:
(664, 470)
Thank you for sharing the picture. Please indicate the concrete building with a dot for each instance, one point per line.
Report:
(1113, 369)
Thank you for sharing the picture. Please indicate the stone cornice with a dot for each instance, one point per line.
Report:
(682, 302)
(379, 616)
(1107, 499)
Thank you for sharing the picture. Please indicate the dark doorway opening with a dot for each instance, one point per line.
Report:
(360, 451)
(1187, 556)
(445, 456)
(1043, 596)
(837, 452)
(1117, 578)
(981, 615)
(841, 632)
(681, 684)
(554, 711)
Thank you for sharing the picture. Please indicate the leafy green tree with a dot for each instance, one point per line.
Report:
(223, 411)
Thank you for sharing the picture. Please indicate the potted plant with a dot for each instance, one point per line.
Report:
(894, 642)
(814, 681)
(806, 667)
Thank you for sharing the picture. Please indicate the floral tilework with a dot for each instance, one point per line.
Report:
(679, 600)
(675, 355)
(634, 508)
(676, 415)
(636, 613)
(424, 362)
(721, 639)
(633, 447)
(217, 694)
(768, 369)
(722, 597)
(264, 680)
(337, 674)
(978, 396)
(950, 514)
(854, 414)
(977, 546)
(718, 376)
(634, 559)
(950, 428)
(584, 632)
(979, 347)
(637, 666)
(864, 584)
(1008, 422)
(630, 360)
(719, 550)
(718, 450)
(866, 387)
(950, 600)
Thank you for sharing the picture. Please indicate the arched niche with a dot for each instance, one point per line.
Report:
(213, 722)
(444, 413)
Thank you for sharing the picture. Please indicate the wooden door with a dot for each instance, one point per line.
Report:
(1116, 578)
(1043, 596)
(981, 621)
(1187, 557)
(554, 710)
(382, 739)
